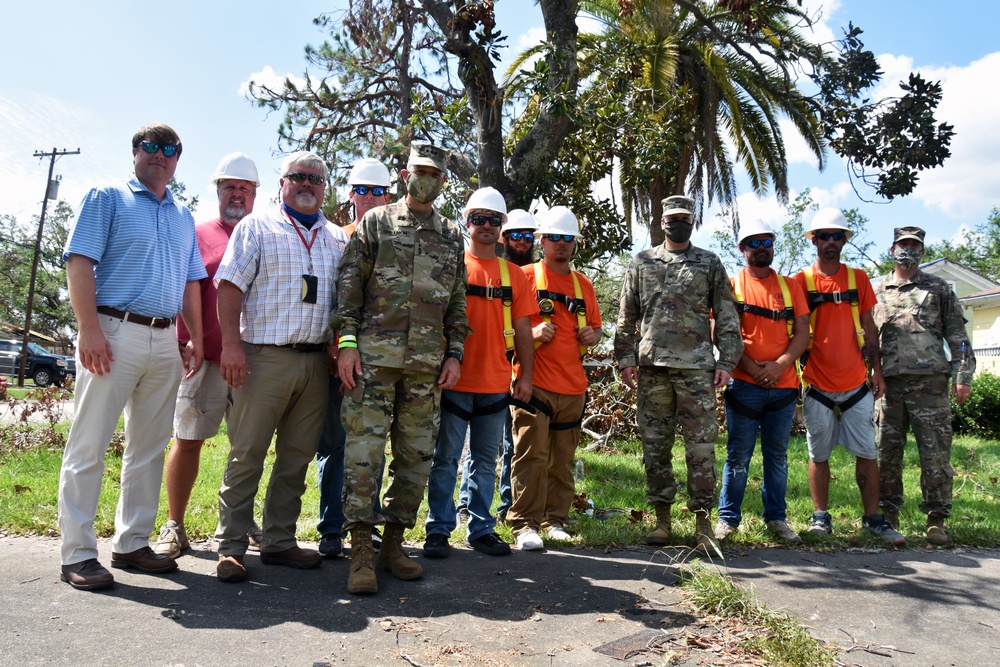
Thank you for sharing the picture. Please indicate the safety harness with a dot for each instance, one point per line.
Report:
(480, 411)
(746, 411)
(843, 406)
(535, 405)
(504, 292)
(787, 313)
(547, 299)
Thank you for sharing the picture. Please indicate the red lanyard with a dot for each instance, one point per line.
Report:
(307, 244)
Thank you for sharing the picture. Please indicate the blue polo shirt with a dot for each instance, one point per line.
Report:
(145, 250)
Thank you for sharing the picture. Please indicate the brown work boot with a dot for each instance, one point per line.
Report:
(391, 556)
(661, 534)
(937, 533)
(362, 575)
(231, 569)
(704, 534)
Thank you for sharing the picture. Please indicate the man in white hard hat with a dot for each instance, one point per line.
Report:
(672, 299)
(839, 402)
(761, 395)
(547, 430)
(276, 291)
(519, 236)
(401, 318)
(204, 399)
(499, 307)
(369, 183)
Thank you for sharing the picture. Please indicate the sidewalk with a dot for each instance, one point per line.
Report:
(913, 608)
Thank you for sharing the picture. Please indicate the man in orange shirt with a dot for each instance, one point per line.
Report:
(762, 393)
(838, 406)
(499, 308)
(546, 435)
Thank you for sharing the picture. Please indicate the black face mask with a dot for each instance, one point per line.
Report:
(678, 231)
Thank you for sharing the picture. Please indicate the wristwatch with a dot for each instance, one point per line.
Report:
(454, 355)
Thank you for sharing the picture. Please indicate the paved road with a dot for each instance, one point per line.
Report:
(913, 608)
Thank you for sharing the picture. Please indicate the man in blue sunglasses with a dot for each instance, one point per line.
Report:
(761, 396)
(132, 265)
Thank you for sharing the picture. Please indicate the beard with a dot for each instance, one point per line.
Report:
(234, 214)
(305, 200)
(761, 259)
(516, 256)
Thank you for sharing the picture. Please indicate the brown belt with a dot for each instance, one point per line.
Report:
(125, 316)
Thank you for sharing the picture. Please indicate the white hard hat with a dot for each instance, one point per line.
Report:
(519, 220)
(558, 220)
(236, 166)
(486, 198)
(829, 218)
(369, 171)
(753, 228)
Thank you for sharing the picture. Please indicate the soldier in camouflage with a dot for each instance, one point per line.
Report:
(401, 316)
(669, 298)
(916, 312)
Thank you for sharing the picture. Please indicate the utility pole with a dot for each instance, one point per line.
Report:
(51, 190)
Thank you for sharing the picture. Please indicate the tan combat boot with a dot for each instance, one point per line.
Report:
(661, 534)
(362, 575)
(704, 534)
(392, 557)
(937, 534)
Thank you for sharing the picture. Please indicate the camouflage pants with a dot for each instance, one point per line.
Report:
(666, 396)
(405, 407)
(920, 402)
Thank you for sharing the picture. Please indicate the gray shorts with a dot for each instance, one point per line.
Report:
(202, 402)
(854, 429)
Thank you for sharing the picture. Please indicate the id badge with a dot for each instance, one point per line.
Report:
(310, 287)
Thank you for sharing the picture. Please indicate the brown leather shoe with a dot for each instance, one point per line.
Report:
(297, 557)
(144, 560)
(231, 569)
(87, 575)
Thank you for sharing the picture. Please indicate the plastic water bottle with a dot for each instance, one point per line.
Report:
(578, 470)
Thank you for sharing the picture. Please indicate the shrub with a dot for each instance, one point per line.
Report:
(980, 414)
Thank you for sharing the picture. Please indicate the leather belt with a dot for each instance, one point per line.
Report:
(304, 347)
(125, 316)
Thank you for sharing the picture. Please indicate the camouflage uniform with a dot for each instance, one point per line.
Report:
(913, 317)
(402, 293)
(666, 303)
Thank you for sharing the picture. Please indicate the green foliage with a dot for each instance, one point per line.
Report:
(979, 250)
(179, 190)
(980, 413)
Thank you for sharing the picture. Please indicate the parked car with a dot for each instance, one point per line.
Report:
(43, 367)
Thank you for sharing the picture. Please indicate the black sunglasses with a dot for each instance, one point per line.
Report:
(827, 236)
(169, 150)
(376, 190)
(518, 236)
(299, 177)
(759, 243)
(555, 238)
(480, 220)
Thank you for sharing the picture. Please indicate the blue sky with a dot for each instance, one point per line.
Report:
(89, 74)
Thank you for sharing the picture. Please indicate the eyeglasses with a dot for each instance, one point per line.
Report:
(759, 243)
(827, 236)
(555, 238)
(299, 177)
(169, 150)
(521, 236)
(362, 190)
(480, 220)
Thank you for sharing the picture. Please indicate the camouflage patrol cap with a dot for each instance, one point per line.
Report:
(428, 155)
(915, 233)
(677, 205)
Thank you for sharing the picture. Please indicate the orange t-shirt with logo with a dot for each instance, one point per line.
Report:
(485, 368)
(557, 363)
(835, 362)
(765, 339)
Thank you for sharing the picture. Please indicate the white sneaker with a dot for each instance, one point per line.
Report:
(557, 533)
(530, 540)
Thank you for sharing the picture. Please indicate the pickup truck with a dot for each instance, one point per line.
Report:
(43, 367)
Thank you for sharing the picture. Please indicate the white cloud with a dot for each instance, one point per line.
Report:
(269, 78)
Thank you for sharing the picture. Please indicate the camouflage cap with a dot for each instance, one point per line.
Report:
(915, 233)
(428, 155)
(677, 205)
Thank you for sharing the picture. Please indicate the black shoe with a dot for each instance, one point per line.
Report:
(437, 546)
(490, 544)
(331, 546)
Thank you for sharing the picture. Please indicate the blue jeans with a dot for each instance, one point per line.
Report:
(506, 455)
(775, 427)
(485, 432)
(330, 467)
